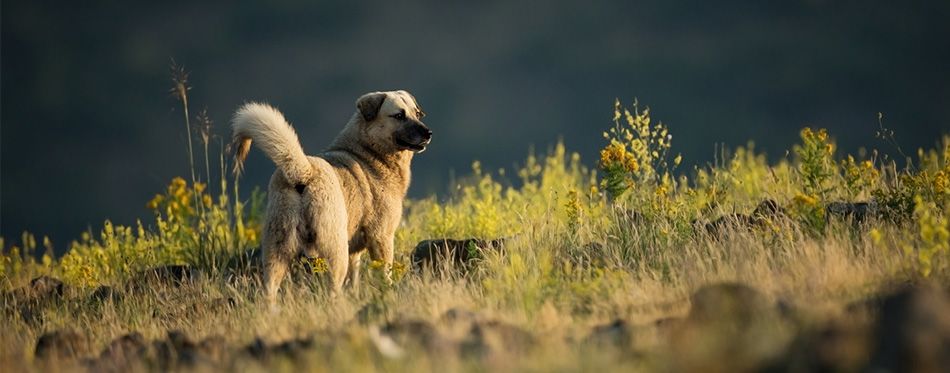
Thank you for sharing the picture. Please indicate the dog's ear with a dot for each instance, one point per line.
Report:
(369, 105)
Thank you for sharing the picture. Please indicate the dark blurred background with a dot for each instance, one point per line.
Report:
(89, 130)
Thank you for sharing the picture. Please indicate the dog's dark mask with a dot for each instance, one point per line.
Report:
(412, 135)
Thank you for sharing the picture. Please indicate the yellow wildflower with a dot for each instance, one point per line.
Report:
(376, 264)
(806, 133)
(876, 236)
(153, 204)
(319, 265)
(806, 200)
(250, 235)
(942, 182)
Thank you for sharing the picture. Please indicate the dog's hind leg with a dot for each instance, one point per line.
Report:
(326, 218)
(276, 264)
(354, 270)
(279, 242)
(334, 245)
(275, 268)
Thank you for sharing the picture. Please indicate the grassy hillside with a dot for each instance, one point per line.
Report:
(632, 264)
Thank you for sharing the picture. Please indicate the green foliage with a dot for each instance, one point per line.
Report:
(859, 177)
(636, 154)
(204, 236)
(816, 170)
(816, 164)
(932, 247)
(20, 260)
(192, 226)
(484, 206)
(930, 191)
(566, 228)
(578, 249)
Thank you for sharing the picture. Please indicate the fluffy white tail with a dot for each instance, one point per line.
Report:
(267, 126)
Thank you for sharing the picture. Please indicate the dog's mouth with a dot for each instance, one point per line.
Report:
(418, 148)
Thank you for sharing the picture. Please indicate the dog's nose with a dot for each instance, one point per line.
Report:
(428, 133)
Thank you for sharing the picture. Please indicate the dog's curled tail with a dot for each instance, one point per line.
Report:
(266, 125)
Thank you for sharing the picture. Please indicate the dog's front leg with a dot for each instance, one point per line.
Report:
(354, 270)
(382, 250)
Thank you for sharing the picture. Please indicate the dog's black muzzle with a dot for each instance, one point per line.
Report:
(414, 136)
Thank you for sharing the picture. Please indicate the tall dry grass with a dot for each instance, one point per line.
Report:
(629, 240)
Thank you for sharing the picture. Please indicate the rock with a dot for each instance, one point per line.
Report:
(728, 320)
(174, 350)
(444, 252)
(122, 354)
(496, 339)
(179, 350)
(257, 349)
(857, 212)
(292, 348)
(618, 334)
(456, 323)
(45, 287)
(839, 345)
(172, 275)
(61, 345)
(728, 302)
(104, 294)
(904, 330)
(912, 331)
(418, 334)
(667, 325)
(765, 211)
(31, 300)
(40, 290)
(213, 349)
(460, 315)
(769, 209)
(730, 221)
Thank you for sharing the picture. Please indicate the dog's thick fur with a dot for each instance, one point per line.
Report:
(344, 201)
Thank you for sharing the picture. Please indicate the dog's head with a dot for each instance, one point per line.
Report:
(392, 122)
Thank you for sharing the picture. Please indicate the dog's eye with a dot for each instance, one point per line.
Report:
(400, 115)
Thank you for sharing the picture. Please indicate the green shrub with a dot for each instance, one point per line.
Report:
(569, 228)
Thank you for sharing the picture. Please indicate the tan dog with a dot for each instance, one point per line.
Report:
(346, 200)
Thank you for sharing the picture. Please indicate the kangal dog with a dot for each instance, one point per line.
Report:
(342, 202)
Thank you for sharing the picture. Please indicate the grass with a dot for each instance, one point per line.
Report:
(630, 240)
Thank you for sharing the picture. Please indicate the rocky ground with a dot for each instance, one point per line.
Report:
(727, 327)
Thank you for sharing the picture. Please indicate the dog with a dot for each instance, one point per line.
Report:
(342, 202)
